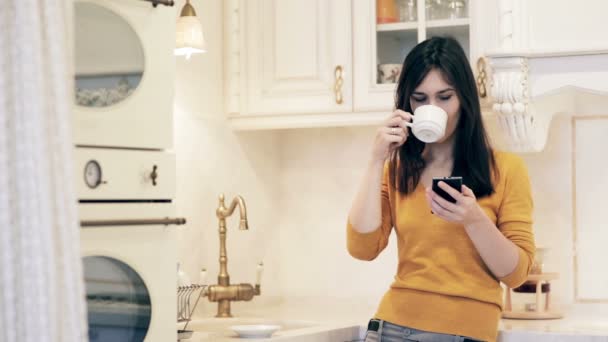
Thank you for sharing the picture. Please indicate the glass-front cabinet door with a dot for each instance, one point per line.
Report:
(385, 31)
(448, 18)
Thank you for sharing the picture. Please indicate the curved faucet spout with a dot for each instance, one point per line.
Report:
(223, 212)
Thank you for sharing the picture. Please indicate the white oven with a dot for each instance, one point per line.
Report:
(122, 121)
(128, 243)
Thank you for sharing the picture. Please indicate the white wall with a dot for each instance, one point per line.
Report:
(320, 171)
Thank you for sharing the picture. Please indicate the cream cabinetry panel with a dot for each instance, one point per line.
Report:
(297, 57)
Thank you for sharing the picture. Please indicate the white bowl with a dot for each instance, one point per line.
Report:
(255, 330)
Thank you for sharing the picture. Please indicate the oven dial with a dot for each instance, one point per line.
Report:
(92, 174)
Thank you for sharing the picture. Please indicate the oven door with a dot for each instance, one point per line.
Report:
(130, 273)
(124, 72)
(128, 243)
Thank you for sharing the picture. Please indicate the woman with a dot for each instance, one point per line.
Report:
(452, 256)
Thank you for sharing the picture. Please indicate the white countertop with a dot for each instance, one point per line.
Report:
(583, 322)
(331, 320)
(316, 320)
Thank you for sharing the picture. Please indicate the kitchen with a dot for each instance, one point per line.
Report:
(289, 167)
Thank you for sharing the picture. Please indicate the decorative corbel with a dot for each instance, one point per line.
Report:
(523, 129)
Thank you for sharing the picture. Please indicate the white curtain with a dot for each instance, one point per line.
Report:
(41, 284)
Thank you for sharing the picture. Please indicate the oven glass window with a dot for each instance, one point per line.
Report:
(109, 57)
(118, 301)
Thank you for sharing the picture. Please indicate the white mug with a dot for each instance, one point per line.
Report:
(428, 123)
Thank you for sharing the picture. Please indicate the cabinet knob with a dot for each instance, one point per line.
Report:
(339, 81)
(154, 175)
(481, 77)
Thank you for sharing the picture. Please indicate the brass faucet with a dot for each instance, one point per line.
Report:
(223, 292)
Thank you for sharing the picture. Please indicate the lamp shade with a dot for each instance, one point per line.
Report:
(189, 33)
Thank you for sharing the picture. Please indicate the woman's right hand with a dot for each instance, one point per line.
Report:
(391, 135)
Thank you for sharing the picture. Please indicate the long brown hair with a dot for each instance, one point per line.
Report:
(473, 156)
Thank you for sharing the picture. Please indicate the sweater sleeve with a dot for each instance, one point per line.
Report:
(515, 219)
(367, 246)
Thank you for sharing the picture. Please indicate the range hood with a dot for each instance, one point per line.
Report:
(528, 89)
(544, 63)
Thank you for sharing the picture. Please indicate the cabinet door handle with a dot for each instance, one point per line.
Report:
(481, 77)
(339, 81)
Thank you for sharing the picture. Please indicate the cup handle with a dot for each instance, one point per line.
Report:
(409, 124)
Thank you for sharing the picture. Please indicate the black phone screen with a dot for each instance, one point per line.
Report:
(454, 182)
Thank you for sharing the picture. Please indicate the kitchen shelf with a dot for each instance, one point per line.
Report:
(402, 26)
(412, 26)
(448, 23)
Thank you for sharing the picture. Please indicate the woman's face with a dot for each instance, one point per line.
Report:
(436, 91)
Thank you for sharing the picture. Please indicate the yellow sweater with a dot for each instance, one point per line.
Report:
(442, 284)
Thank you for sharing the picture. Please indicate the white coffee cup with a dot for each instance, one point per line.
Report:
(428, 123)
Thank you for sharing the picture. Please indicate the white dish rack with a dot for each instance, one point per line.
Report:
(185, 308)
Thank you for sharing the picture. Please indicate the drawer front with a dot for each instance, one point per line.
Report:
(125, 211)
(115, 174)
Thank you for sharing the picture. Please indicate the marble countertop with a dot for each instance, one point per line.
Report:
(581, 322)
(331, 320)
(306, 320)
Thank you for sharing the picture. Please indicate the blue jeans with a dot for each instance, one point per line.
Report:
(389, 332)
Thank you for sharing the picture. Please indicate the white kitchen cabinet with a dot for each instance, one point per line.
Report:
(124, 67)
(295, 57)
(548, 26)
(293, 63)
(281, 56)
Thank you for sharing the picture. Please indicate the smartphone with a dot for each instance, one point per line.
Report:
(454, 182)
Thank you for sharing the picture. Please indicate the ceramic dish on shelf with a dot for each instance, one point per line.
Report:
(255, 330)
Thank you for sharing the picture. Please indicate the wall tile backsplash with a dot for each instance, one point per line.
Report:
(320, 171)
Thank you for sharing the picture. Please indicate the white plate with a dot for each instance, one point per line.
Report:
(255, 330)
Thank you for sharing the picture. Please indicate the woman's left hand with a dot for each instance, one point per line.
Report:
(465, 211)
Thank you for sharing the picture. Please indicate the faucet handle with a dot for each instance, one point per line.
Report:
(258, 289)
(202, 276)
(260, 270)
